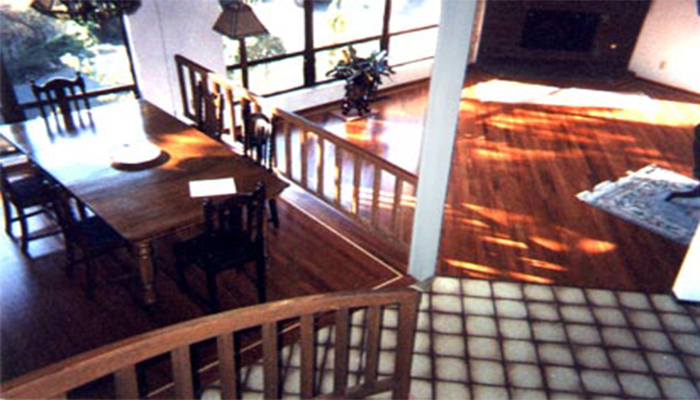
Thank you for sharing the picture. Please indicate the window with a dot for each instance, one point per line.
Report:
(281, 62)
(38, 47)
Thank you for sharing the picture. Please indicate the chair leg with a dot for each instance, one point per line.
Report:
(261, 279)
(8, 216)
(24, 239)
(274, 216)
(213, 292)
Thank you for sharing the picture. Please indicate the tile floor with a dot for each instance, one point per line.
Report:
(480, 339)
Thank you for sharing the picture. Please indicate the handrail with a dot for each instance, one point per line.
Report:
(121, 358)
(389, 209)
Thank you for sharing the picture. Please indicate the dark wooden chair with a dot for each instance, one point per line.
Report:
(124, 361)
(89, 235)
(234, 236)
(62, 97)
(27, 191)
(209, 111)
(259, 146)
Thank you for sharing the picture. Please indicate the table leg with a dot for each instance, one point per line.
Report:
(146, 270)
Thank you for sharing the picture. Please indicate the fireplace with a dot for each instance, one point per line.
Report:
(560, 30)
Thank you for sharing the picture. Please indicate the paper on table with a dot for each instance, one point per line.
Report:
(212, 187)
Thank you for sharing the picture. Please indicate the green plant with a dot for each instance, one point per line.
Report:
(362, 78)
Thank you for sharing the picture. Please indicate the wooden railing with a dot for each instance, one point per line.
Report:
(345, 176)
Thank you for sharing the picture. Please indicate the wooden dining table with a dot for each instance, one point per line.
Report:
(142, 203)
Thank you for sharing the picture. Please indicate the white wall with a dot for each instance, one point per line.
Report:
(162, 28)
(668, 48)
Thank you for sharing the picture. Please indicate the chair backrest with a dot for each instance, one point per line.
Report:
(209, 111)
(67, 219)
(62, 96)
(238, 217)
(259, 144)
(383, 310)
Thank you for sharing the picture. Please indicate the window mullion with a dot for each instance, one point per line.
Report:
(309, 54)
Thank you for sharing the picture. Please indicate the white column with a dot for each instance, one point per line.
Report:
(687, 284)
(162, 28)
(447, 79)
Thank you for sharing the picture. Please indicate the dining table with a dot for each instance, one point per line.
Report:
(141, 201)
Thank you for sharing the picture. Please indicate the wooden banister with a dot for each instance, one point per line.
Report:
(121, 358)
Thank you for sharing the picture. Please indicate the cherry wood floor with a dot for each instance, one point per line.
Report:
(523, 150)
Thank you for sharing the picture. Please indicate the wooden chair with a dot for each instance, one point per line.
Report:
(259, 146)
(89, 235)
(62, 96)
(234, 236)
(27, 191)
(120, 359)
(209, 111)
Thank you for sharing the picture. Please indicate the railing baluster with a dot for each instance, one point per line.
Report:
(126, 383)
(376, 191)
(342, 340)
(228, 371)
(396, 207)
(271, 363)
(308, 356)
(338, 175)
(320, 166)
(182, 372)
(373, 330)
(304, 157)
(357, 181)
(288, 148)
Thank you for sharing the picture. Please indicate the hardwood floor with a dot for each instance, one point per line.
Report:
(522, 153)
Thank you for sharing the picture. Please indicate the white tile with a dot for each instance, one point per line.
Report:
(292, 381)
(619, 337)
(525, 376)
(583, 334)
(211, 393)
(444, 284)
(693, 364)
(610, 316)
(687, 344)
(483, 326)
(628, 361)
(511, 309)
(487, 372)
(254, 380)
(514, 328)
(390, 318)
(634, 300)
(640, 386)
(422, 342)
(570, 295)
(489, 392)
(665, 302)
(562, 378)
(421, 367)
(449, 345)
(644, 319)
(480, 288)
(507, 290)
(423, 322)
(543, 311)
(448, 304)
(519, 350)
(538, 292)
(678, 323)
(600, 297)
(252, 395)
(387, 362)
(482, 347)
(549, 331)
(655, 341)
(447, 323)
(421, 389)
(591, 357)
(529, 394)
(566, 396)
(451, 369)
(451, 390)
(677, 388)
(388, 339)
(478, 306)
(600, 382)
(666, 364)
(576, 314)
(556, 354)
(358, 317)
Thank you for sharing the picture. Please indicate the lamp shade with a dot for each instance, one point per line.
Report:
(238, 21)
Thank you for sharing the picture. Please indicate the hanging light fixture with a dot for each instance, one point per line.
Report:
(238, 21)
(86, 10)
